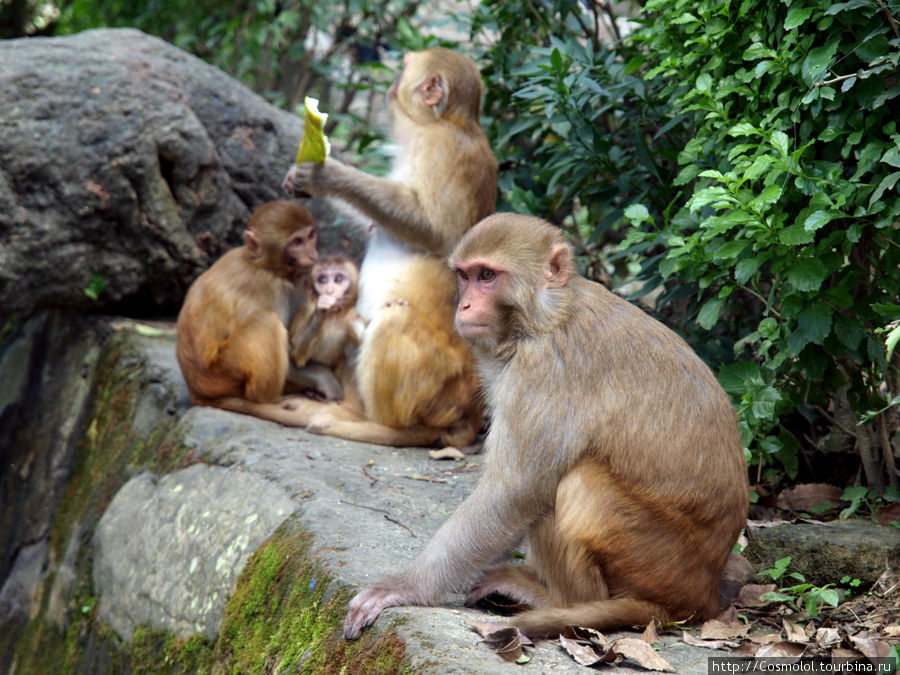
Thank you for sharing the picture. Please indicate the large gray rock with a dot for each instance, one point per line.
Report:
(125, 157)
(168, 552)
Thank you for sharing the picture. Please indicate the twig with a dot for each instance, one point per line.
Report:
(362, 506)
(393, 520)
(416, 476)
(372, 478)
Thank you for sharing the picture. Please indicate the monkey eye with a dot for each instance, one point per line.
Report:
(321, 279)
(339, 279)
(461, 274)
(486, 274)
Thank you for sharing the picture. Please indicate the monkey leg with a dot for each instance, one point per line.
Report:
(519, 583)
(316, 378)
(613, 556)
(256, 356)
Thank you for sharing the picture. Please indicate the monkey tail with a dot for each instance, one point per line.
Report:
(599, 614)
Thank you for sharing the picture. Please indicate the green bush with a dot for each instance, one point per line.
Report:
(775, 238)
(789, 232)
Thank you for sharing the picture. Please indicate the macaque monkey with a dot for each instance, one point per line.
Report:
(232, 337)
(325, 331)
(612, 448)
(414, 374)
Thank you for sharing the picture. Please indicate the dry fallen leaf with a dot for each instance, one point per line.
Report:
(892, 631)
(583, 654)
(807, 496)
(635, 649)
(872, 649)
(751, 595)
(828, 637)
(595, 637)
(651, 632)
(765, 639)
(708, 644)
(781, 650)
(886, 514)
(507, 642)
(718, 630)
(794, 632)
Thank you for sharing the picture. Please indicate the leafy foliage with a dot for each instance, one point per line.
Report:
(578, 133)
(789, 238)
(802, 596)
(753, 149)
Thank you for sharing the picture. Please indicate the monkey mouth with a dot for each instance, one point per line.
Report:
(467, 329)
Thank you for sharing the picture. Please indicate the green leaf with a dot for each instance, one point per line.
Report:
(818, 61)
(731, 249)
(556, 60)
(709, 312)
(892, 156)
(780, 142)
(813, 325)
(796, 235)
(797, 17)
(709, 195)
(887, 183)
(807, 274)
(743, 129)
(735, 377)
(637, 212)
(766, 198)
(818, 219)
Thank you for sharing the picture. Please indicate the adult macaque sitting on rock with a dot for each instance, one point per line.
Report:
(612, 448)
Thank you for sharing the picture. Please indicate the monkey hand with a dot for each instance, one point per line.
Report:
(366, 606)
(313, 178)
(328, 302)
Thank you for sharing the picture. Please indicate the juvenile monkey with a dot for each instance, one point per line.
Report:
(612, 448)
(414, 373)
(231, 334)
(326, 330)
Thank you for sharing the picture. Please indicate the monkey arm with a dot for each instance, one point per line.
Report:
(393, 205)
(303, 333)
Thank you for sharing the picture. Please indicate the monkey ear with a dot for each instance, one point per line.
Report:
(434, 92)
(251, 242)
(560, 266)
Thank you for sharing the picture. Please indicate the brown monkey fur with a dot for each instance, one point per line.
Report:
(415, 375)
(612, 448)
(232, 338)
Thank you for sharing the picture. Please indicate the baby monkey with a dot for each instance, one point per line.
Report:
(327, 331)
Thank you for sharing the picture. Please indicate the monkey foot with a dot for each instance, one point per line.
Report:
(501, 596)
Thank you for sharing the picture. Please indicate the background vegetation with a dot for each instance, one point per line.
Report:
(731, 165)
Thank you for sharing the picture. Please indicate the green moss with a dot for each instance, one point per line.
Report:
(282, 617)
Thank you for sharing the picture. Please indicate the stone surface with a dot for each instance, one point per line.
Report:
(369, 510)
(823, 553)
(46, 371)
(168, 552)
(124, 158)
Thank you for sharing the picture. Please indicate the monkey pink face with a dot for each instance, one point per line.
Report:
(302, 250)
(478, 315)
(332, 281)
